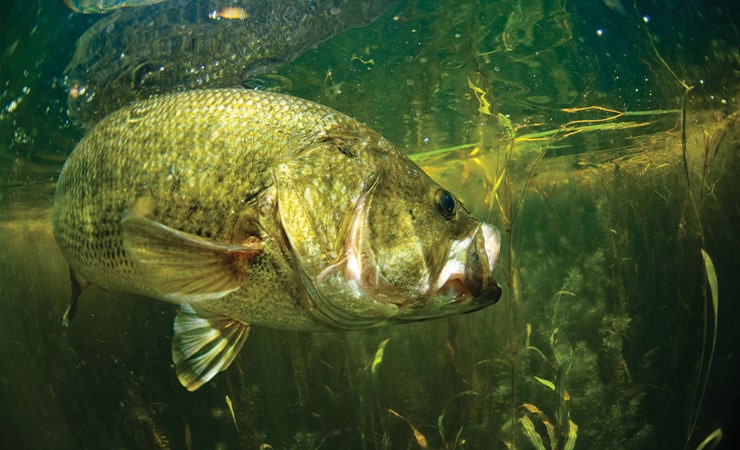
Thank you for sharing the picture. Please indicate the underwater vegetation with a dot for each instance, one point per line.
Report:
(612, 295)
(611, 288)
(615, 189)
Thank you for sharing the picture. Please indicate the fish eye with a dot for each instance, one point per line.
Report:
(446, 203)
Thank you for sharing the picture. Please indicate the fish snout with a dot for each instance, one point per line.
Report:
(481, 260)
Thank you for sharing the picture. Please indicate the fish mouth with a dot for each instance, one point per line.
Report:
(467, 301)
(467, 274)
(460, 290)
(481, 261)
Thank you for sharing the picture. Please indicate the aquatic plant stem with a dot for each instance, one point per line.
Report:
(700, 387)
(683, 141)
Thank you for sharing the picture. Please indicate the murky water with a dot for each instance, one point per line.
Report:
(601, 137)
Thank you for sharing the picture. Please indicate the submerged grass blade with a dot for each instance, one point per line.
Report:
(528, 429)
(570, 440)
(714, 437)
(714, 293)
(188, 438)
(545, 382)
(231, 410)
(441, 417)
(378, 359)
(713, 286)
(545, 421)
(421, 440)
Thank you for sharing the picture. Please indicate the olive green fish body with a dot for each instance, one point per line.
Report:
(255, 208)
(198, 162)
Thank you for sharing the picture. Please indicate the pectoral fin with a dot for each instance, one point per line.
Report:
(184, 267)
(204, 344)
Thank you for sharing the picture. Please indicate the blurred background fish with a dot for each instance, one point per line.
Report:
(104, 6)
(178, 45)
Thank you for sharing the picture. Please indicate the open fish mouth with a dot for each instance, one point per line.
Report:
(481, 261)
(466, 274)
(457, 289)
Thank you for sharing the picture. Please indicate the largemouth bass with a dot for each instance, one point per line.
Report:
(105, 6)
(255, 208)
(178, 45)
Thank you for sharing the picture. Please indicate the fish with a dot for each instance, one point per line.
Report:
(253, 208)
(105, 6)
(616, 5)
(176, 45)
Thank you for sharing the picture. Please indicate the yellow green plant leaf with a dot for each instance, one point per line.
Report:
(506, 430)
(480, 94)
(421, 440)
(713, 284)
(714, 288)
(231, 410)
(545, 382)
(531, 433)
(715, 436)
(570, 440)
(545, 421)
(496, 185)
(378, 358)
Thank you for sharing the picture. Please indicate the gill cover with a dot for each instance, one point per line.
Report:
(321, 196)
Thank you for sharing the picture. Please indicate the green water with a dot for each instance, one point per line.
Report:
(569, 125)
